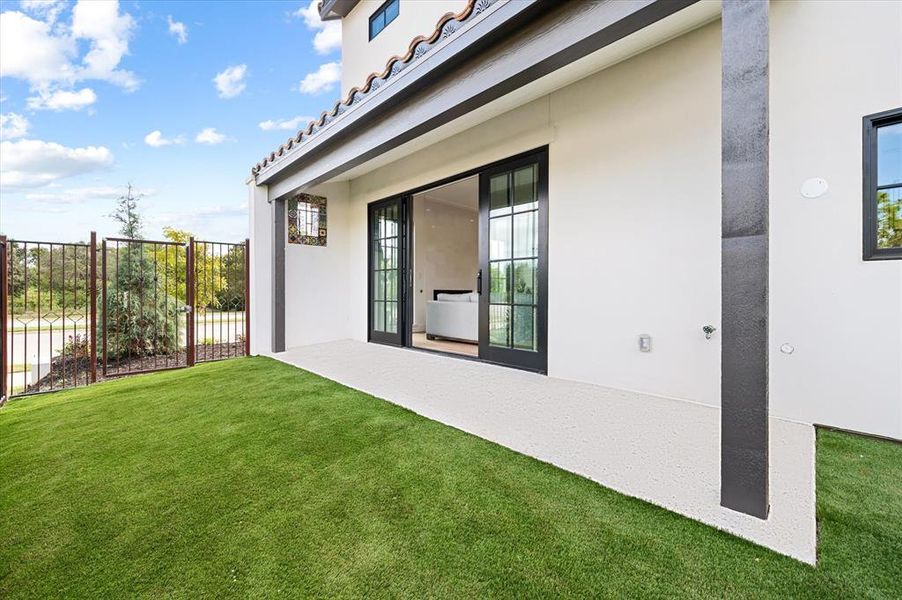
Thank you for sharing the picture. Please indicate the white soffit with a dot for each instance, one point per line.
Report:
(680, 23)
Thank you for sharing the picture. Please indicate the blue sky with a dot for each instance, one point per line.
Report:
(96, 95)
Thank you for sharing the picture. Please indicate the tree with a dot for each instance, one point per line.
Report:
(126, 214)
(889, 221)
(142, 315)
(207, 268)
(231, 296)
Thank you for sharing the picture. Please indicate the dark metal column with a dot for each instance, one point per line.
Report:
(278, 276)
(744, 258)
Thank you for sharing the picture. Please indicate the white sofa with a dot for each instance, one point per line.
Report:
(453, 317)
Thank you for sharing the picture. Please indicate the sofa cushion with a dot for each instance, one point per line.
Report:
(466, 297)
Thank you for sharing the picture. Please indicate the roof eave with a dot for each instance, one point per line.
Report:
(430, 94)
(331, 10)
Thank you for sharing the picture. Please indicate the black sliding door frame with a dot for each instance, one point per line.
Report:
(399, 207)
(404, 335)
(532, 360)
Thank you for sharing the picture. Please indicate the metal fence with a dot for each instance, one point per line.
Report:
(221, 295)
(74, 313)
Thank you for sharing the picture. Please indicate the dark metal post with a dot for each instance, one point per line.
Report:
(93, 276)
(189, 293)
(278, 276)
(247, 297)
(4, 314)
(745, 142)
(103, 300)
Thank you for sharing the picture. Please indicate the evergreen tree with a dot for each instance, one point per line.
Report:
(142, 315)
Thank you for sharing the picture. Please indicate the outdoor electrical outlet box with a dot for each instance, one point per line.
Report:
(644, 343)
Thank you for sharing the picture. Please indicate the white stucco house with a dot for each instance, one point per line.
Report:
(653, 242)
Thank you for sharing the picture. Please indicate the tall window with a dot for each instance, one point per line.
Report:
(380, 19)
(883, 185)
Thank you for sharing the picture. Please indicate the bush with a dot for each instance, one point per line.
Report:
(77, 345)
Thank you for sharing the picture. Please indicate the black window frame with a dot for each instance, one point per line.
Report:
(871, 123)
(380, 13)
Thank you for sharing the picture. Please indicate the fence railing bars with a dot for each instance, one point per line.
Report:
(163, 305)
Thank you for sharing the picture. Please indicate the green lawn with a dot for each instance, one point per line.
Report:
(252, 478)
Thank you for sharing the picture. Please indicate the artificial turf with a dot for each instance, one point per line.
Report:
(252, 478)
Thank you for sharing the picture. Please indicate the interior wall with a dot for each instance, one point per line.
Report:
(446, 251)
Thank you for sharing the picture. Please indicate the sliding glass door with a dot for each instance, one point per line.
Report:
(512, 278)
(513, 204)
(387, 268)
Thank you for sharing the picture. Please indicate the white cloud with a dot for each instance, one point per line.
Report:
(156, 139)
(47, 10)
(210, 136)
(230, 82)
(12, 126)
(109, 33)
(29, 50)
(328, 39)
(34, 163)
(321, 80)
(52, 55)
(82, 194)
(328, 33)
(178, 29)
(292, 124)
(62, 100)
(65, 200)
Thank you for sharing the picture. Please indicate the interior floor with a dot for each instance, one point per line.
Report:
(466, 348)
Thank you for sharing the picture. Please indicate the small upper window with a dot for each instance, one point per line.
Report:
(382, 17)
(883, 185)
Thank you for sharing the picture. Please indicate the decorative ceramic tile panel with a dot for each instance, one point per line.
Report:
(307, 220)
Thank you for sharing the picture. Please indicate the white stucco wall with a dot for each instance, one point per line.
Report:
(260, 228)
(316, 282)
(831, 64)
(361, 56)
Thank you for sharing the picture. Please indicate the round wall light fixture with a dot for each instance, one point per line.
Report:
(814, 187)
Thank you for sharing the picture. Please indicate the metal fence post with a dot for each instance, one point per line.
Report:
(247, 297)
(189, 293)
(4, 313)
(103, 283)
(93, 276)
